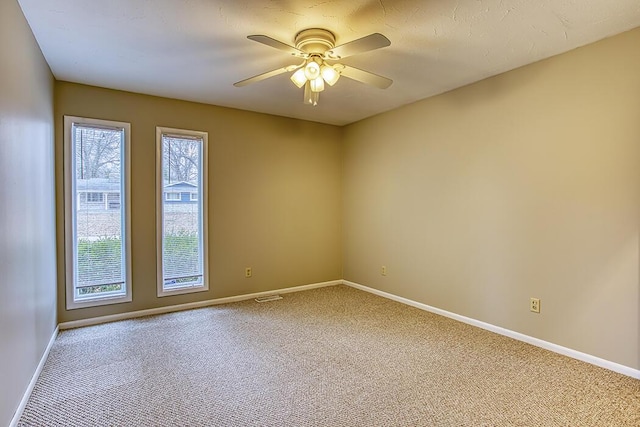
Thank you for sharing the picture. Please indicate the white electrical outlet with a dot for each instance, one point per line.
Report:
(247, 272)
(534, 305)
(383, 270)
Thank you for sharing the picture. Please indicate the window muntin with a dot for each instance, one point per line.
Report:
(182, 224)
(96, 231)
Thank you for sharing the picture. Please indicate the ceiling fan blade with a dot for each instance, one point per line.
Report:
(364, 44)
(277, 44)
(364, 76)
(266, 75)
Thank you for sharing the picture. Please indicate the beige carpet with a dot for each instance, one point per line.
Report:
(327, 357)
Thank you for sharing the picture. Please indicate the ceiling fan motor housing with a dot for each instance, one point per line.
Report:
(315, 41)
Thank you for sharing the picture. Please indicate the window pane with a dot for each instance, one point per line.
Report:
(182, 215)
(99, 261)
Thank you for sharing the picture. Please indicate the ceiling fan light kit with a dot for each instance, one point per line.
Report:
(298, 78)
(329, 74)
(317, 46)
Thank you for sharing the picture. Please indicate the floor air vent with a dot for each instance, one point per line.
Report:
(268, 298)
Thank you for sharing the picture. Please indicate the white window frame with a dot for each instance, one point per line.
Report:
(204, 177)
(70, 226)
(193, 197)
(169, 196)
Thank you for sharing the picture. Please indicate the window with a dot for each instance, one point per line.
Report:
(182, 226)
(193, 197)
(97, 242)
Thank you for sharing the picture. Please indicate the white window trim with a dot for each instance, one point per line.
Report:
(159, 210)
(170, 199)
(192, 198)
(69, 169)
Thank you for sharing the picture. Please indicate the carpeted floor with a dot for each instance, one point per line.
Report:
(333, 356)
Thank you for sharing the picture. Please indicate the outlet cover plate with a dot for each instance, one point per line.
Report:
(534, 305)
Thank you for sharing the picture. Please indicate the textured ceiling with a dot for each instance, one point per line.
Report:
(196, 49)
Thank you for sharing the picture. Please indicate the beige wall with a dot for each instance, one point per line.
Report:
(27, 238)
(523, 185)
(274, 195)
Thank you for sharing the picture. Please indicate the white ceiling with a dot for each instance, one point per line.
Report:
(196, 49)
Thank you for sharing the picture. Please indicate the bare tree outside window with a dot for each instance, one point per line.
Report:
(97, 152)
(180, 157)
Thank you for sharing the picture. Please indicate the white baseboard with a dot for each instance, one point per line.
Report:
(34, 379)
(188, 306)
(603, 363)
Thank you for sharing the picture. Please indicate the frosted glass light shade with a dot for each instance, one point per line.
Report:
(317, 85)
(298, 78)
(329, 74)
(312, 70)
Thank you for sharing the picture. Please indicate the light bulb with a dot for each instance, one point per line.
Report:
(298, 78)
(329, 74)
(317, 85)
(312, 70)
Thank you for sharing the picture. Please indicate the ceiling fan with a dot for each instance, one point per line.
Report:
(316, 47)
